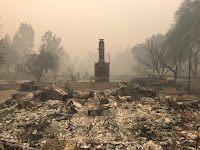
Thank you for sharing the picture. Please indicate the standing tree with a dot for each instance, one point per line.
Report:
(71, 72)
(23, 40)
(171, 60)
(11, 54)
(2, 57)
(187, 26)
(53, 45)
(39, 64)
(2, 52)
(149, 52)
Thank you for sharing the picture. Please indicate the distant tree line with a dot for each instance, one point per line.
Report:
(176, 49)
(18, 54)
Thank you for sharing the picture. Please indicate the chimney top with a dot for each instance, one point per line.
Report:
(101, 40)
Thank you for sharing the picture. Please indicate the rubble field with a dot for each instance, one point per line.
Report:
(27, 122)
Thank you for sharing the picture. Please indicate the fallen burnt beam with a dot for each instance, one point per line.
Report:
(27, 86)
(6, 111)
(179, 101)
(37, 87)
(59, 145)
(85, 95)
(94, 108)
(54, 94)
(123, 99)
(19, 95)
(103, 100)
(135, 92)
(58, 94)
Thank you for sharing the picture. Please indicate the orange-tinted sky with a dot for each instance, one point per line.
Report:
(80, 23)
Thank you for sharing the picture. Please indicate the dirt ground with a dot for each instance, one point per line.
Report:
(6, 94)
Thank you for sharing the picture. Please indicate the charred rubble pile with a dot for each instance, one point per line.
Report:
(126, 118)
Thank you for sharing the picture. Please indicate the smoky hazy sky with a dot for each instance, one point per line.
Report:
(81, 23)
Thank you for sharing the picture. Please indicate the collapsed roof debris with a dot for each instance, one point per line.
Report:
(110, 119)
(59, 144)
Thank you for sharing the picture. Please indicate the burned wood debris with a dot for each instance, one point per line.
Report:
(130, 117)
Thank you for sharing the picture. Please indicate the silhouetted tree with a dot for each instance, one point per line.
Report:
(12, 55)
(171, 60)
(71, 72)
(2, 52)
(53, 45)
(187, 30)
(149, 54)
(23, 40)
(38, 64)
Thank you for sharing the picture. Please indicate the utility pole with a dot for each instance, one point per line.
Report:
(189, 77)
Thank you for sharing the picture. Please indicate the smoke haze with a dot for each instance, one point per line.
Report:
(80, 23)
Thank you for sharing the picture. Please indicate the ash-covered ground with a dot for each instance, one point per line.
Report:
(145, 124)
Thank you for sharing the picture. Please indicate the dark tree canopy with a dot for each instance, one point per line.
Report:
(23, 39)
(12, 54)
(156, 55)
(38, 64)
(52, 43)
(186, 31)
(2, 52)
(148, 54)
(181, 44)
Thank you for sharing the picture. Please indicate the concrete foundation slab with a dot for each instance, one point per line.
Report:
(92, 85)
